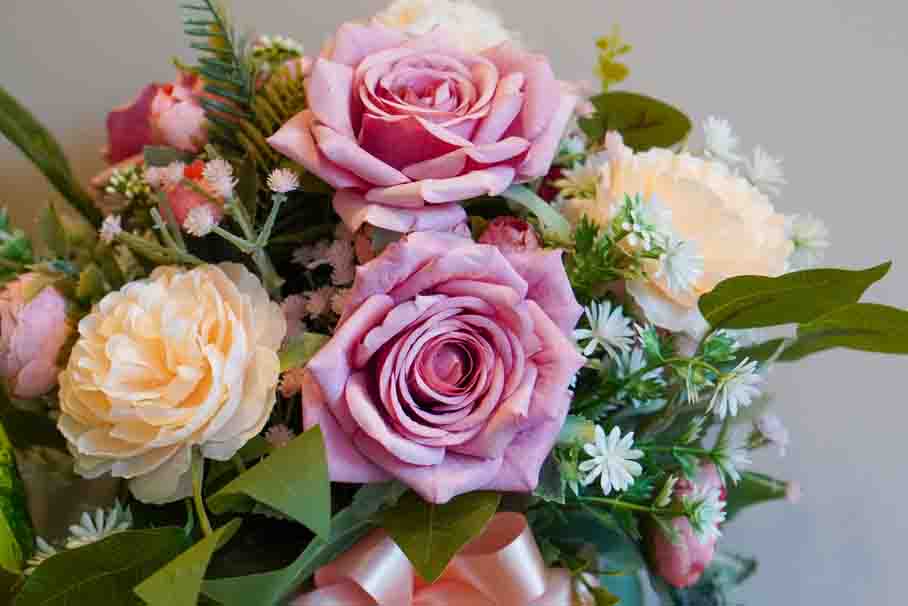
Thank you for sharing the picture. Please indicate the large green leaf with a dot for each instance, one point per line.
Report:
(752, 489)
(300, 350)
(30, 136)
(576, 528)
(347, 527)
(292, 479)
(104, 572)
(179, 582)
(431, 535)
(798, 297)
(860, 326)
(643, 122)
(16, 536)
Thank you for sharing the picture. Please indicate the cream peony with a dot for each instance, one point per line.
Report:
(474, 28)
(185, 359)
(733, 226)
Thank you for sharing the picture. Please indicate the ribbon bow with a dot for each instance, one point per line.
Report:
(501, 567)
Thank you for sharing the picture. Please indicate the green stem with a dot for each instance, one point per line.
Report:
(242, 244)
(723, 433)
(619, 504)
(157, 253)
(165, 232)
(673, 449)
(17, 267)
(198, 464)
(171, 221)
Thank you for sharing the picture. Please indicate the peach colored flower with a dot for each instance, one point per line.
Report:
(184, 360)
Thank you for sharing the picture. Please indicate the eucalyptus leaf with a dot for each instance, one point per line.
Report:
(752, 489)
(554, 226)
(179, 582)
(30, 136)
(798, 297)
(347, 527)
(431, 534)
(104, 572)
(642, 121)
(293, 479)
(299, 350)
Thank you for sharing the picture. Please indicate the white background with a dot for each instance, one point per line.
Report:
(821, 82)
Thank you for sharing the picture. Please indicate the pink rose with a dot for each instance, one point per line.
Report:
(449, 369)
(128, 127)
(404, 126)
(31, 336)
(682, 564)
(510, 233)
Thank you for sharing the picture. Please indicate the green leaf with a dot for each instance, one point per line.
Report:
(753, 489)
(604, 597)
(16, 536)
(299, 350)
(431, 535)
(554, 226)
(179, 582)
(626, 587)
(52, 231)
(798, 297)
(104, 572)
(347, 527)
(159, 156)
(643, 122)
(551, 483)
(39, 146)
(92, 284)
(27, 429)
(860, 326)
(292, 479)
(577, 528)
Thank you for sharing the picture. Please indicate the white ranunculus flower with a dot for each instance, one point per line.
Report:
(474, 27)
(182, 360)
(733, 225)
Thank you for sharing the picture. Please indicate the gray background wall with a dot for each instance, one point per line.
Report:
(820, 81)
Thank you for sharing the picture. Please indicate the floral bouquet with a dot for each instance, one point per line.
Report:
(406, 321)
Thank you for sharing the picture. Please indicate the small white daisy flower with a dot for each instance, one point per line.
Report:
(736, 390)
(219, 175)
(705, 511)
(647, 224)
(43, 551)
(629, 364)
(609, 329)
(612, 460)
(731, 456)
(681, 265)
(111, 228)
(199, 221)
(93, 528)
(172, 175)
(765, 172)
(279, 435)
(810, 238)
(283, 181)
(770, 429)
(721, 141)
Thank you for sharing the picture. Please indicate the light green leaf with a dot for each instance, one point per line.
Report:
(16, 536)
(30, 136)
(104, 572)
(753, 488)
(292, 479)
(179, 582)
(643, 122)
(431, 535)
(860, 326)
(756, 301)
(347, 527)
(92, 284)
(299, 350)
(554, 226)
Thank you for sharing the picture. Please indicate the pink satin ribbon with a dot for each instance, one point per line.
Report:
(501, 567)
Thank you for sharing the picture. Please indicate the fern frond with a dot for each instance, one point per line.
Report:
(225, 67)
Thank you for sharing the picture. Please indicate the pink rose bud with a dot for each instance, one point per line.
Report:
(32, 334)
(128, 128)
(510, 233)
(176, 117)
(682, 563)
(183, 199)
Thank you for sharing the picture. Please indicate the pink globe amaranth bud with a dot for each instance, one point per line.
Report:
(510, 233)
(682, 563)
(182, 199)
(176, 116)
(32, 334)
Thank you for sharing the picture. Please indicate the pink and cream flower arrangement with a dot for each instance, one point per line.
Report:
(411, 320)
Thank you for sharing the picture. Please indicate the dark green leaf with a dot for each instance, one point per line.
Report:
(163, 156)
(104, 572)
(802, 296)
(752, 489)
(626, 587)
(26, 428)
(860, 326)
(179, 582)
(292, 479)
(347, 527)
(53, 233)
(431, 535)
(643, 122)
(16, 536)
(299, 350)
(30, 136)
(575, 529)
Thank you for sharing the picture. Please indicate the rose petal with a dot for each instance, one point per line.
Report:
(539, 86)
(343, 151)
(354, 42)
(486, 182)
(404, 140)
(541, 155)
(329, 90)
(128, 127)
(452, 164)
(356, 211)
(548, 285)
(506, 106)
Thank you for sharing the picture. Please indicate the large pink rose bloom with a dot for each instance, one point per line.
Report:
(32, 333)
(404, 126)
(449, 370)
(682, 563)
